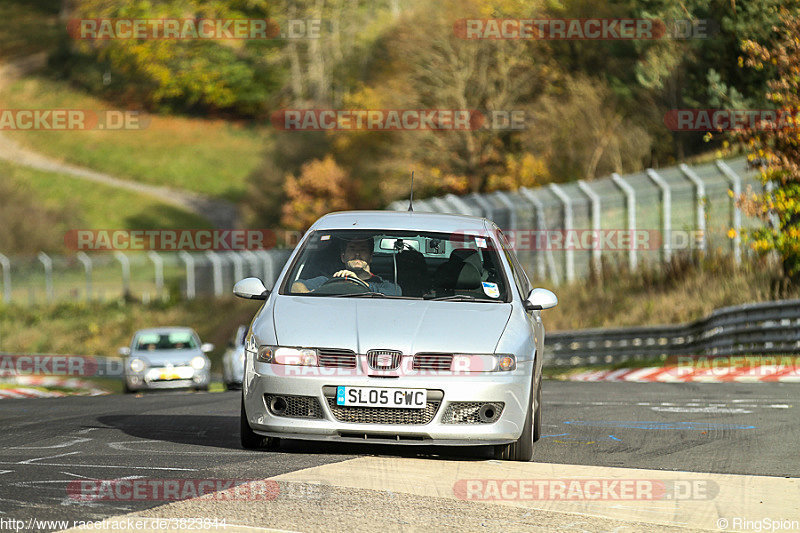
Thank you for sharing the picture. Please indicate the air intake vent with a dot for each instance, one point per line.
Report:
(335, 357)
(432, 361)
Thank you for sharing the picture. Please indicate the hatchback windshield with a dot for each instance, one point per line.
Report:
(398, 264)
(176, 340)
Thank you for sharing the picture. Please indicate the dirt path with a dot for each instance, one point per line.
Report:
(221, 213)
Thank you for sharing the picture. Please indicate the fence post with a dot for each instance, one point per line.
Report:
(48, 274)
(700, 196)
(594, 198)
(238, 272)
(126, 271)
(630, 199)
(158, 264)
(736, 181)
(189, 261)
(541, 225)
(216, 265)
(87, 267)
(512, 212)
(6, 278)
(485, 205)
(569, 252)
(252, 259)
(666, 212)
(462, 205)
(266, 258)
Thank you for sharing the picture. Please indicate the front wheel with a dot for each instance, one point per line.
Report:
(252, 440)
(522, 449)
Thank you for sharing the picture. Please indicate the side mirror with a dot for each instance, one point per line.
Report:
(206, 347)
(124, 351)
(540, 299)
(251, 289)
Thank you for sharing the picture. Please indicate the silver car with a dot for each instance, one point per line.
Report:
(233, 360)
(391, 327)
(166, 358)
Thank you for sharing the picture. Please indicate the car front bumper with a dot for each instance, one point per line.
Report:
(510, 388)
(141, 381)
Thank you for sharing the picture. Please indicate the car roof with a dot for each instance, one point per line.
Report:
(400, 220)
(164, 329)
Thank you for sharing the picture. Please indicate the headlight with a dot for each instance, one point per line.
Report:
(281, 355)
(198, 362)
(137, 365)
(501, 362)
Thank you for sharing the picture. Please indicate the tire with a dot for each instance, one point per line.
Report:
(126, 389)
(522, 449)
(537, 415)
(252, 440)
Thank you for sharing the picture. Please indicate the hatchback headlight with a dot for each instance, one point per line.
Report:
(136, 364)
(198, 363)
(282, 355)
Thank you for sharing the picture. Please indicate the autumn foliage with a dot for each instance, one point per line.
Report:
(777, 150)
(321, 187)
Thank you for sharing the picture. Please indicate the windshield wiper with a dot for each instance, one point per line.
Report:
(368, 294)
(371, 294)
(460, 298)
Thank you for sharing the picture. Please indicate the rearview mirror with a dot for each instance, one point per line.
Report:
(539, 299)
(206, 347)
(251, 289)
(124, 351)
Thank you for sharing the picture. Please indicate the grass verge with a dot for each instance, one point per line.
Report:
(100, 206)
(212, 157)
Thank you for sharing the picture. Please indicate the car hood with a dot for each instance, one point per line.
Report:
(411, 326)
(164, 357)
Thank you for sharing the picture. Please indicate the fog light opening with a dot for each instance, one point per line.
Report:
(278, 405)
(487, 413)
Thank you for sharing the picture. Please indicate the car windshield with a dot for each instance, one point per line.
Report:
(398, 264)
(175, 340)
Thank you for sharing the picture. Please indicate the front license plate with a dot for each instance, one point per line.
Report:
(381, 397)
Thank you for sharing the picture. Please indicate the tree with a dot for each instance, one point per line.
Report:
(322, 187)
(775, 147)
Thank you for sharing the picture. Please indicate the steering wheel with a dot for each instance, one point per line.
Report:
(343, 285)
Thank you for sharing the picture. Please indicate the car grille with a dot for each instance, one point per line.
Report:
(297, 406)
(469, 413)
(384, 415)
(384, 359)
(337, 358)
(432, 361)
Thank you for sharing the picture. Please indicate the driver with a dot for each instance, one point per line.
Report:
(356, 256)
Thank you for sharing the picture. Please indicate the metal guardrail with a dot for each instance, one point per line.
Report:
(759, 329)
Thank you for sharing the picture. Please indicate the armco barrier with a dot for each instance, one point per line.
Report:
(759, 329)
